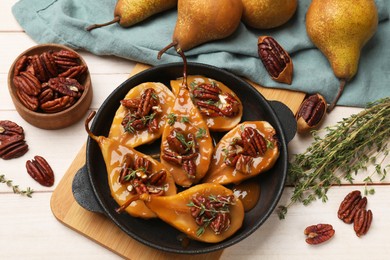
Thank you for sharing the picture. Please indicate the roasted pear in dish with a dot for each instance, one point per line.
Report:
(142, 114)
(131, 173)
(186, 145)
(218, 104)
(205, 212)
(244, 152)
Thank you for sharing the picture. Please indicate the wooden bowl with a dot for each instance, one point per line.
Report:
(60, 119)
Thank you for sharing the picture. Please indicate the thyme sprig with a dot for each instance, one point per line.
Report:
(345, 150)
(15, 188)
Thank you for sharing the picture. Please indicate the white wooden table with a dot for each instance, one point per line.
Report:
(28, 229)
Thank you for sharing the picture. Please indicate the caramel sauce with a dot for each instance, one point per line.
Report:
(249, 194)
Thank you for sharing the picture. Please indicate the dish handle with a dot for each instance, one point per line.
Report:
(286, 118)
(83, 192)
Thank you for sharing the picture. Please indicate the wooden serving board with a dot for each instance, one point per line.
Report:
(100, 229)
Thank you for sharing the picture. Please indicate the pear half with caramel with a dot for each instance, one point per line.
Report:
(244, 152)
(218, 104)
(186, 144)
(142, 114)
(205, 212)
(131, 173)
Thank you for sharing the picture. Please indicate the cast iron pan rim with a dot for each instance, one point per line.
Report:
(212, 247)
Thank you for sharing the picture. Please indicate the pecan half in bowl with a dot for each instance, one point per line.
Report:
(50, 86)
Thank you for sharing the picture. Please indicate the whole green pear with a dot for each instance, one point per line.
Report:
(340, 29)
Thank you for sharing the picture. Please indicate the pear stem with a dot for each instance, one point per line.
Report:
(94, 26)
(341, 89)
(144, 197)
(127, 203)
(86, 125)
(182, 55)
(163, 50)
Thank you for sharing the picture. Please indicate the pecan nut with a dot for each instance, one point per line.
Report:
(157, 178)
(207, 92)
(12, 142)
(13, 147)
(362, 222)
(311, 113)
(73, 72)
(213, 212)
(65, 59)
(317, 234)
(27, 83)
(39, 68)
(275, 59)
(241, 151)
(47, 94)
(49, 64)
(9, 128)
(58, 104)
(350, 205)
(143, 112)
(40, 170)
(66, 86)
(33, 75)
(30, 102)
(20, 65)
(207, 97)
(182, 151)
(140, 177)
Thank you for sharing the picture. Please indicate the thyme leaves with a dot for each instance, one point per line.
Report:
(346, 149)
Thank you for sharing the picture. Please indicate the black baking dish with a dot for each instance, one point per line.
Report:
(90, 186)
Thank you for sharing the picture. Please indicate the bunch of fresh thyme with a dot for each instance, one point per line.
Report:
(28, 192)
(346, 149)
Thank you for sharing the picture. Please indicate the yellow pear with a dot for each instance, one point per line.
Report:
(130, 12)
(340, 29)
(200, 21)
(266, 14)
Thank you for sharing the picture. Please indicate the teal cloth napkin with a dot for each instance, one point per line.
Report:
(64, 22)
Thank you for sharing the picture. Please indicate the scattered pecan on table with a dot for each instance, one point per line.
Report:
(40, 170)
(317, 234)
(49, 82)
(362, 222)
(12, 140)
(353, 210)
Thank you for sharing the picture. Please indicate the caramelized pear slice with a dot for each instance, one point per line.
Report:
(131, 173)
(141, 117)
(218, 104)
(244, 152)
(186, 145)
(205, 212)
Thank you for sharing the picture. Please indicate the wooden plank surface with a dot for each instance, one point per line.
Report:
(100, 229)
